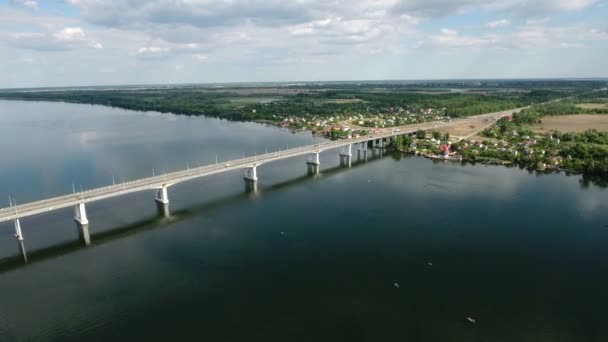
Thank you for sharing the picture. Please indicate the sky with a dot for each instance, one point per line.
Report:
(97, 42)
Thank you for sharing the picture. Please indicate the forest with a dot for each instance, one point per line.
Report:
(368, 99)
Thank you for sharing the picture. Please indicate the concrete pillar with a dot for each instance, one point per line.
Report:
(80, 214)
(381, 143)
(346, 156)
(251, 173)
(18, 233)
(313, 169)
(162, 196)
(163, 210)
(251, 186)
(83, 233)
(19, 237)
(347, 151)
(314, 159)
(345, 160)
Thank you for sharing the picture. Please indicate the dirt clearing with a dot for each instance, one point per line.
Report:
(572, 123)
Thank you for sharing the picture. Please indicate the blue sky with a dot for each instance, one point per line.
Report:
(95, 42)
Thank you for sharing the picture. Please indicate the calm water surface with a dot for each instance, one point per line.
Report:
(306, 258)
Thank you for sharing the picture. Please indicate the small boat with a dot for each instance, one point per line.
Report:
(472, 320)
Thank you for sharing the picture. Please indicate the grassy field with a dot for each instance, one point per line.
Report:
(572, 123)
(252, 100)
(593, 105)
(341, 101)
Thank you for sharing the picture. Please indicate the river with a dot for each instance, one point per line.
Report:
(392, 248)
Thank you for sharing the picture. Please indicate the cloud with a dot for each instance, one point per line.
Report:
(25, 3)
(565, 45)
(153, 53)
(230, 39)
(526, 38)
(197, 13)
(526, 8)
(449, 38)
(67, 38)
(593, 34)
(498, 23)
(75, 35)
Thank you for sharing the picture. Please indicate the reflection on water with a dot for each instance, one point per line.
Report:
(304, 257)
(164, 217)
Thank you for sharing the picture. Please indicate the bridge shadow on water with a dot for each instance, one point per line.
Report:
(166, 218)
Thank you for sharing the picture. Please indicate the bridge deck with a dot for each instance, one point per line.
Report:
(155, 182)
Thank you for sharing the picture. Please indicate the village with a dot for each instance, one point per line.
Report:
(348, 126)
(507, 143)
(491, 146)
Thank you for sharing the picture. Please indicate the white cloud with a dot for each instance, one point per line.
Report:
(525, 38)
(153, 53)
(25, 3)
(449, 38)
(526, 8)
(71, 35)
(498, 23)
(574, 5)
(152, 49)
(594, 34)
(65, 39)
(565, 45)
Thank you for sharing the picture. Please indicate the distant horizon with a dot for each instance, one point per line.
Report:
(297, 82)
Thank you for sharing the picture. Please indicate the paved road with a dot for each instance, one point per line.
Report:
(156, 182)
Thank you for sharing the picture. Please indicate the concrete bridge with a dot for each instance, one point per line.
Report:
(161, 183)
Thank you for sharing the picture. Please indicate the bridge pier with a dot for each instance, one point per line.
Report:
(314, 159)
(347, 151)
(162, 196)
(313, 169)
(345, 161)
(19, 237)
(80, 214)
(251, 173)
(381, 142)
(313, 164)
(251, 186)
(83, 233)
(251, 179)
(346, 156)
(163, 210)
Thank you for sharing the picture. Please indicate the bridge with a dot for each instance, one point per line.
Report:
(161, 183)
